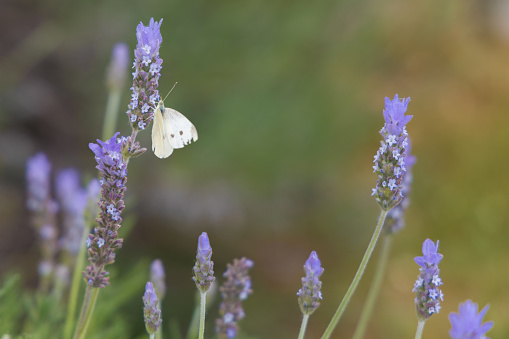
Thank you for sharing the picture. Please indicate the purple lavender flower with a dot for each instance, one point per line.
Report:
(203, 268)
(147, 65)
(151, 313)
(158, 276)
(73, 200)
(38, 170)
(428, 295)
(113, 173)
(467, 323)
(118, 66)
(310, 294)
(396, 217)
(390, 159)
(235, 289)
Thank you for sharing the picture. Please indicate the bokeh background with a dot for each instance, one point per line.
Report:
(287, 97)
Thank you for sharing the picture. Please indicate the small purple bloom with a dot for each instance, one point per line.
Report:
(158, 277)
(118, 66)
(394, 115)
(310, 294)
(151, 312)
(235, 289)
(203, 268)
(390, 158)
(467, 323)
(428, 295)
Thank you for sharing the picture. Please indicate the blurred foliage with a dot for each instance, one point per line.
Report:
(287, 99)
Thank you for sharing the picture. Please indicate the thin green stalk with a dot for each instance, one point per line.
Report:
(152, 336)
(420, 328)
(75, 287)
(357, 278)
(203, 300)
(303, 326)
(110, 117)
(367, 310)
(87, 309)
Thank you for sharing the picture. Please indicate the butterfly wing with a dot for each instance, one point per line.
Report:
(179, 130)
(161, 145)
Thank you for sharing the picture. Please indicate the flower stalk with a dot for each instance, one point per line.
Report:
(357, 278)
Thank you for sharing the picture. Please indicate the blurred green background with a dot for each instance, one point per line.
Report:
(287, 97)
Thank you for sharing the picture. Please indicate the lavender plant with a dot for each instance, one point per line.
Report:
(426, 287)
(203, 275)
(310, 295)
(151, 311)
(112, 157)
(394, 223)
(234, 291)
(467, 323)
(390, 167)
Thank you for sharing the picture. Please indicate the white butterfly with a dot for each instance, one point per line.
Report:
(170, 130)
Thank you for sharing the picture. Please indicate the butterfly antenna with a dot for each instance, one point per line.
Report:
(170, 91)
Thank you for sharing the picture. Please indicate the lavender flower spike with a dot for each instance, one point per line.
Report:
(203, 268)
(158, 276)
(151, 313)
(235, 289)
(467, 323)
(428, 295)
(102, 244)
(390, 158)
(147, 65)
(310, 294)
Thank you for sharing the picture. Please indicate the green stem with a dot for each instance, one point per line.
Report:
(110, 117)
(303, 326)
(367, 310)
(357, 278)
(420, 328)
(75, 287)
(203, 299)
(87, 309)
(152, 336)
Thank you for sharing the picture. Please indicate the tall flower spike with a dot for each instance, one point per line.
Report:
(396, 217)
(467, 323)
(104, 241)
(158, 276)
(390, 158)
(428, 295)
(235, 289)
(147, 67)
(151, 313)
(204, 267)
(310, 293)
